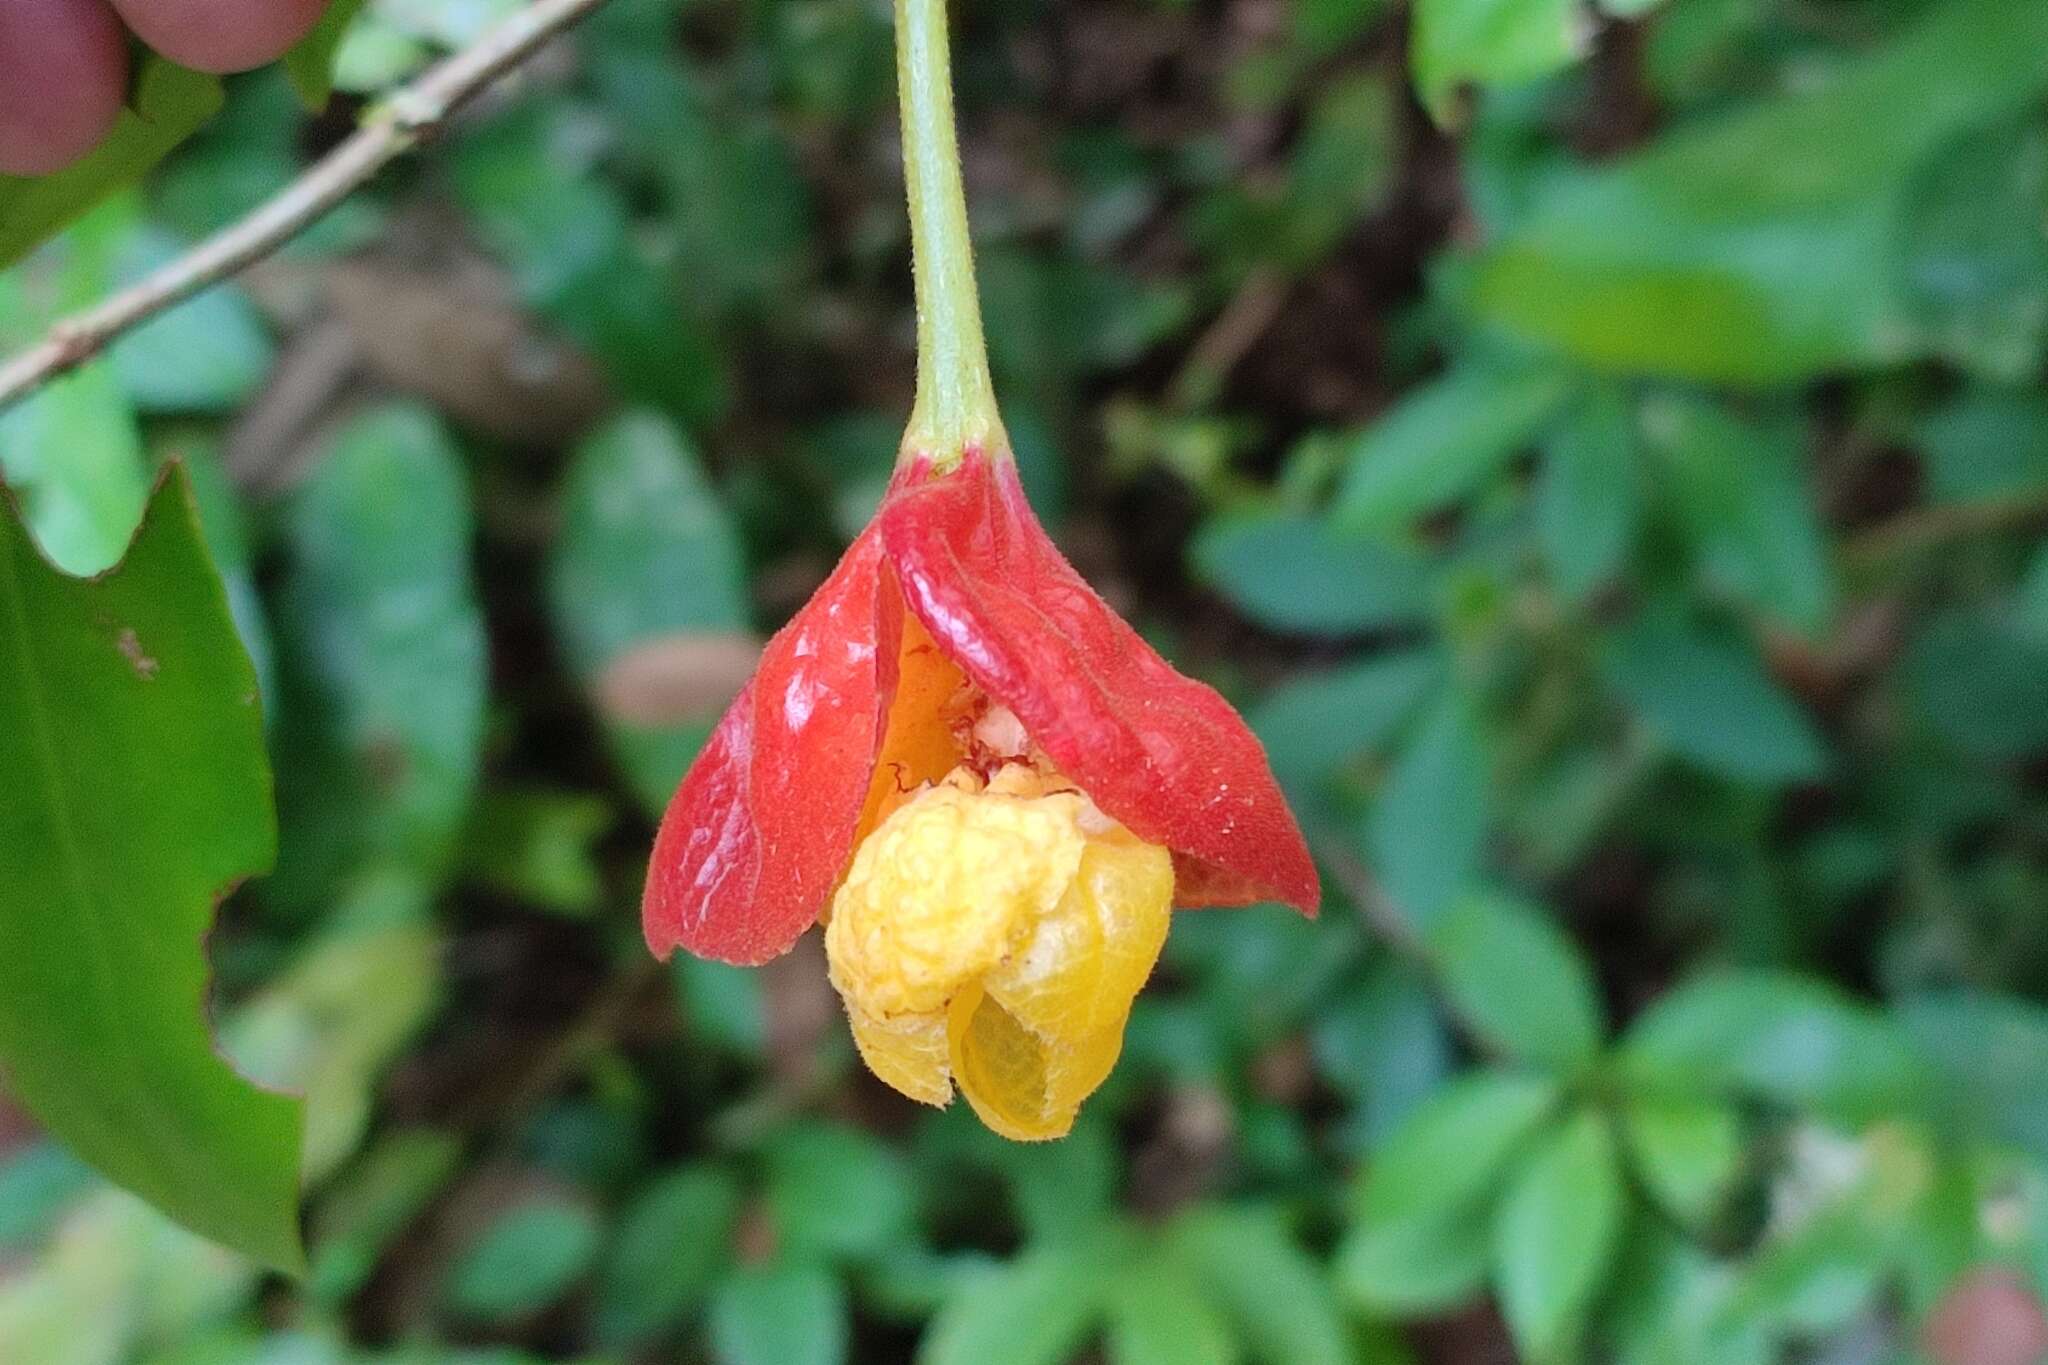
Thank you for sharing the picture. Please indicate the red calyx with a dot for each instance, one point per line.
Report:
(764, 824)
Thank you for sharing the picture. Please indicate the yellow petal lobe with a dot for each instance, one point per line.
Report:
(993, 935)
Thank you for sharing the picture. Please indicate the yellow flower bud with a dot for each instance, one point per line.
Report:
(992, 936)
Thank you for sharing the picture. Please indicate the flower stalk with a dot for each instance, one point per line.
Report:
(955, 410)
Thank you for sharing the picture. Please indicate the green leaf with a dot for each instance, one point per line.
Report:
(207, 354)
(135, 752)
(672, 1242)
(537, 846)
(525, 1259)
(647, 554)
(835, 1192)
(1773, 1036)
(1491, 42)
(1316, 722)
(1293, 573)
(1590, 497)
(1556, 1236)
(1420, 1242)
(76, 454)
(1278, 1298)
(1428, 827)
(1450, 1154)
(539, 202)
(1443, 440)
(1064, 1188)
(1516, 979)
(1034, 1310)
(1982, 683)
(1712, 702)
(1740, 489)
(1755, 247)
(1988, 1054)
(779, 1315)
(1986, 443)
(38, 1182)
(330, 1025)
(1686, 1151)
(310, 63)
(1975, 275)
(371, 1204)
(1158, 1316)
(1415, 1267)
(382, 660)
(2030, 598)
(168, 105)
(1383, 1045)
(721, 1003)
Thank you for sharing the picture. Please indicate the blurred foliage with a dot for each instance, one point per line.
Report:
(1603, 447)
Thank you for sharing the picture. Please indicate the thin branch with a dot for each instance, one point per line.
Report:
(1926, 529)
(408, 116)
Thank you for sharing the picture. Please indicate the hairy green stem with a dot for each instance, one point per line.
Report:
(956, 406)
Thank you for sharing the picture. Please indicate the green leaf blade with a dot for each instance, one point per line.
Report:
(146, 787)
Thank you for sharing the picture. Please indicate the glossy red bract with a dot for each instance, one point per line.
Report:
(764, 824)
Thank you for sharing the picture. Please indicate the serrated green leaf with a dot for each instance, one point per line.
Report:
(1513, 976)
(168, 105)
(135, 749)
(1556, 1236)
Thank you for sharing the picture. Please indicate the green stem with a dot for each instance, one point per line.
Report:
(956, 406)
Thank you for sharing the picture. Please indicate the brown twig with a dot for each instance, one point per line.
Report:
(408, 116)
(1930, 528)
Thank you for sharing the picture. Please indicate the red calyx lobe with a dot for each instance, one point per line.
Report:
(764, 823)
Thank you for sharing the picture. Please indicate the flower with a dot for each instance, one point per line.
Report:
(993, 788)
(960, 757)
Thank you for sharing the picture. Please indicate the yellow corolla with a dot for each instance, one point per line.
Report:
(992, 935)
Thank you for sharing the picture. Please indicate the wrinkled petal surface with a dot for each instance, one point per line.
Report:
(1160, 752)
(992, 935)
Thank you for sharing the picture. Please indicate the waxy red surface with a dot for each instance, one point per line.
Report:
(764, 824)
